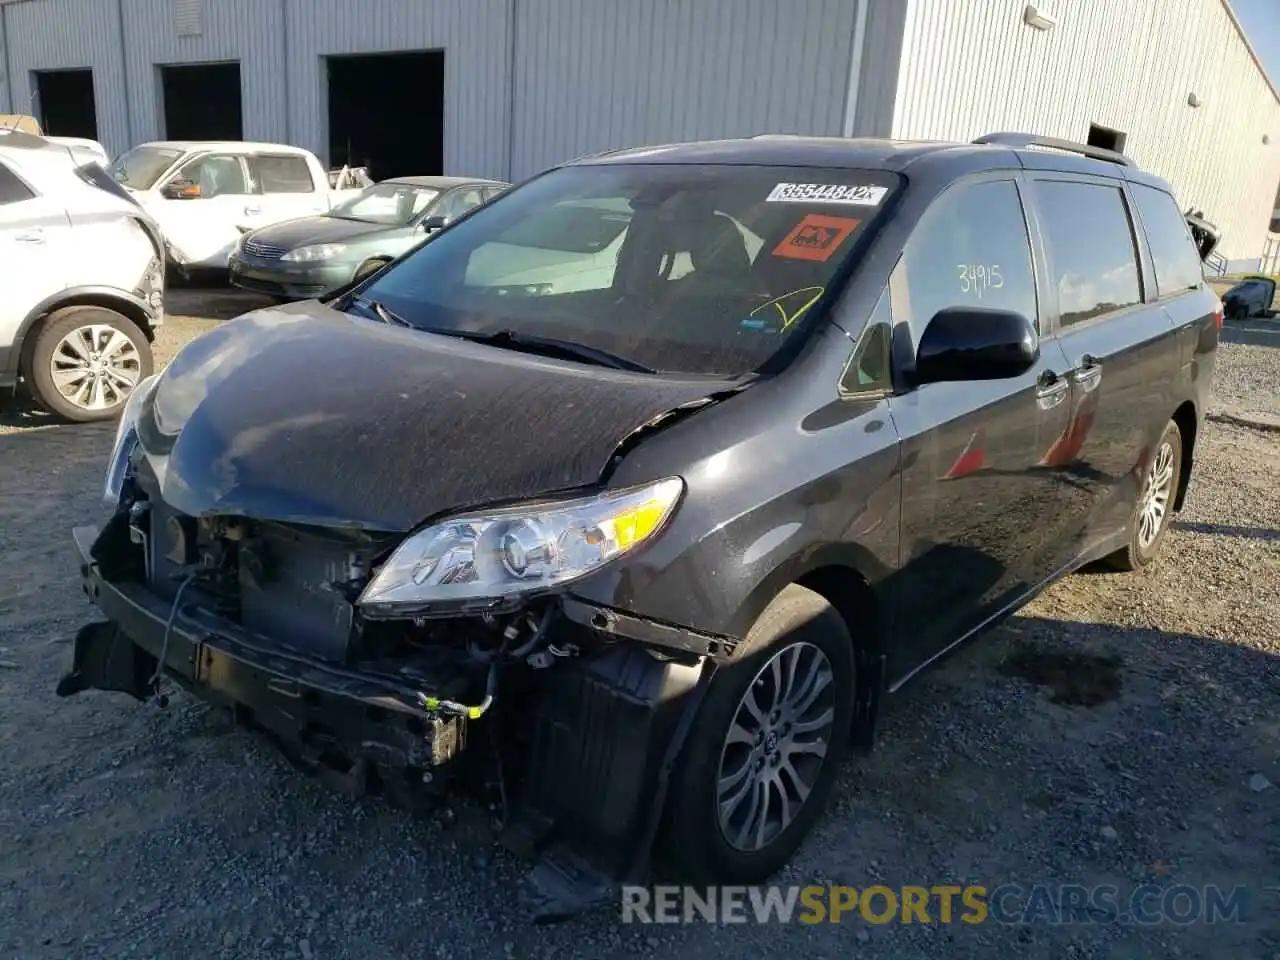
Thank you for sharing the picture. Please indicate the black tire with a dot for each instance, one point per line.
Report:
(1136, 555)
(52, 331)
(368, 269)
(695, 840)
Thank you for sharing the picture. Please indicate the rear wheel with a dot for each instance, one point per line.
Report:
(86, 361)
(1155, 503)
(765, 749)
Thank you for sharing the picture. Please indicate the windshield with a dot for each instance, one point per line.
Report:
(395, 204)
(141, 167)
(681, 268)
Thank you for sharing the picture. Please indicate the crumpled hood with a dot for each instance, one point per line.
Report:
(306, 414)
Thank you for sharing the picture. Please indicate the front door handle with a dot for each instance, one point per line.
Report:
(252, 211)
(1051, 390)
(34, 235)
(1089, 373)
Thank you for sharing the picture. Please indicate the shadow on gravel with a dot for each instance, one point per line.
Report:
(1228, 530)
(1253, 333)
(1073, 679)
(20, 411)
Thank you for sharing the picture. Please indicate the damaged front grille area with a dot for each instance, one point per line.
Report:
(292, 586)
(563, 726)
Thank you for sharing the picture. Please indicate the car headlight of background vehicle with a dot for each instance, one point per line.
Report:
(519, 549)
(317, 251)
(126, 438)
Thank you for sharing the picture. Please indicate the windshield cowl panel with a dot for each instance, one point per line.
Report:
(692, 269)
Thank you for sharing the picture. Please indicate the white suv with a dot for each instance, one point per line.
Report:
(82, 271)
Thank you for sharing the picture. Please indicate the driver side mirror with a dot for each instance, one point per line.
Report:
(976, 343)
(181, 190)
(433, 223)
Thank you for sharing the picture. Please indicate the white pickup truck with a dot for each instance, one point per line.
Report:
(205, 194)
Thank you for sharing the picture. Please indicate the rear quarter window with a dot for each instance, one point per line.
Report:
(12, 189)
(1174, 254)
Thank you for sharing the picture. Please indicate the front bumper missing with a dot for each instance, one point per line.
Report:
(361, 733)
(604, 732)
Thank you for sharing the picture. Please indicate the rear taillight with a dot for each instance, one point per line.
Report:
(1219, 315)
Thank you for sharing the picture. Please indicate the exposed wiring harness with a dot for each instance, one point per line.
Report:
(495, 659)
(154, 682)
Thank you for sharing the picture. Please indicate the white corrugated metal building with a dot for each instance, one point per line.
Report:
(528, 83)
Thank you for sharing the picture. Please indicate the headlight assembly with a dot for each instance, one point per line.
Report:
(517, 550)
(317, 251)
(126, 438)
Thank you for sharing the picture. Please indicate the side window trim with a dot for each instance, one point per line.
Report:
(879, 325)
(1151, 285)
(257, 182)
(32, 192)
(175, 172)
(1050, 302)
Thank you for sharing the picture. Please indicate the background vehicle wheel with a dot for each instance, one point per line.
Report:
(766, 747)
(368, 268)
(1155, 503)
(86, 361)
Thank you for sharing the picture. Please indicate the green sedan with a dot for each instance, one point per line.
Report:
(310, 256)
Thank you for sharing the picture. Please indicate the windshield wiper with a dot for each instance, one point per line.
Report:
(383, 312)
(549, 346)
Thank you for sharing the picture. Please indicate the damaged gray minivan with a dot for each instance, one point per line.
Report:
(626, 496)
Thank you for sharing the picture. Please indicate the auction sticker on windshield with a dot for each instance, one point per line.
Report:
(858, 195)
(815, 238)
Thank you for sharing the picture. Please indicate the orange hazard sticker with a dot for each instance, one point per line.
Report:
(815, 237)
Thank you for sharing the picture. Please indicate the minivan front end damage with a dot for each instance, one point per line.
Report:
(567, 718)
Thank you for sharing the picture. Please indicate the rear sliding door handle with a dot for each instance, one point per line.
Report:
(1051, 390)
(34, 235)
(1089, 373)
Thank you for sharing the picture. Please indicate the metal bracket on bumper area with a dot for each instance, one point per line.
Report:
(625, 625)
(355, 730)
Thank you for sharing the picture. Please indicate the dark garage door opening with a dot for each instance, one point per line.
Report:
(202, 101)
(386, 112)
(66, 103)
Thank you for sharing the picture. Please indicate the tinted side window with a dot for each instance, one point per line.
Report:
(1092, 257)
(1173, 252)
(459, 202)
(970, 249)
(216, 175)
(280, 174)
(11, 188)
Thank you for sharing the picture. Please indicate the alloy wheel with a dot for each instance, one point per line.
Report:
(95, 367)
(1156, 491)
(776, 746)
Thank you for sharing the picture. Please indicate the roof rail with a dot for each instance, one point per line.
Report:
(1021, 140)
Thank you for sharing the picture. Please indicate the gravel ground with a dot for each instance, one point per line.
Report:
(1247, 378)
(132, 831)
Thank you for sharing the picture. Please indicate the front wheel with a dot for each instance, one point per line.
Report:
(1155, 503)
(86, 361)
(766, 747)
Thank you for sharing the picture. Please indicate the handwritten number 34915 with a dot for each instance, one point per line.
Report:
(978, 278)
